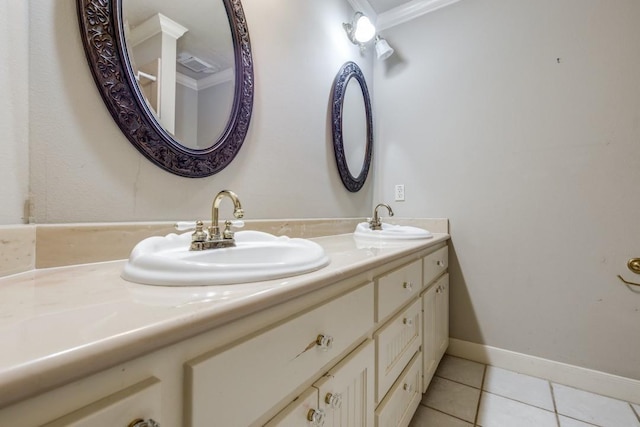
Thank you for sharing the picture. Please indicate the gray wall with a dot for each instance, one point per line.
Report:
(14, 111)
(520, 121)
(84, 170)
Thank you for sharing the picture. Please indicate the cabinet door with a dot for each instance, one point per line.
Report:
(140, 401)
(346, 391)
(442, 316)
(301, 412)
(429, 344)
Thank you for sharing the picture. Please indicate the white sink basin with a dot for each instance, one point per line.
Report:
(257, 256)
(391, 232)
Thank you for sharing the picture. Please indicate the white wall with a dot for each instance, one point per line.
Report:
(83, 169)
(520, 121)
(14, 133)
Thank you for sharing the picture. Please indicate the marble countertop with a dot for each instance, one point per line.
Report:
(57, 324)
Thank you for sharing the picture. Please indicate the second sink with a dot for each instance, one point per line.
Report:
(391, 232)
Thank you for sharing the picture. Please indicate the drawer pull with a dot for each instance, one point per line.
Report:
(316, 416)
(334, 400)
(139, 422)
(441, 263)
(407, 321)
(408, 286)
(408, 388)
(325, 342)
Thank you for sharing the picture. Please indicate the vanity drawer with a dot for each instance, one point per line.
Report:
(224, 387)
(396, 288)
(398, 407)
(434, 265)
(140, 401)
(396, 344)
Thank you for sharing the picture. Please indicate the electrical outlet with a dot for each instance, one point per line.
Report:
(399, 193)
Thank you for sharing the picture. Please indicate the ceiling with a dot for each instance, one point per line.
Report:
(388, 13)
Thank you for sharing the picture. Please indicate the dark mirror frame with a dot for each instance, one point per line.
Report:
(350, 70)
(102, 33)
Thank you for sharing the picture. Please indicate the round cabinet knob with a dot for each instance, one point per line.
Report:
(441, 263)
(334, 400)
(325, 342)
(407, 321)
(408, 286)
(139, 422)
(408, 388)
(316, 416)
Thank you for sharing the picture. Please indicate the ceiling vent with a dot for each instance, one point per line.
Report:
(195, 64)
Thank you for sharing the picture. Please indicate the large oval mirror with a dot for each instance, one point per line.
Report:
(176, 77)
(352, 126)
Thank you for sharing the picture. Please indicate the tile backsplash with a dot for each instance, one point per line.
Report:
(17, 249)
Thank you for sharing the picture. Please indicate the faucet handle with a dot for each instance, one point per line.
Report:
(199, 235)
(185, 225)
(227, 233)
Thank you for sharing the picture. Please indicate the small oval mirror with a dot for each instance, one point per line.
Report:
(352, 126)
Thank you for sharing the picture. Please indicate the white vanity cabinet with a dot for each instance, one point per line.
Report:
(355, 351)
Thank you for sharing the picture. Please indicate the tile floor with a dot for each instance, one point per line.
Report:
(467, 394)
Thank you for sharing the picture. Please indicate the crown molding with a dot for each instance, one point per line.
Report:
(364, 7)
(225, 75)
(408, 11)
(156, 24)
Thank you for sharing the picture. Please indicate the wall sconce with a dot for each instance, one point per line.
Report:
(383, 50)
(360, 30)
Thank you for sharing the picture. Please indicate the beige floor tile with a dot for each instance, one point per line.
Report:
(497, 411)
(427, 417)
(593, 408)
(523, 388)
(461, 370)
(452, 398)
(570, 422)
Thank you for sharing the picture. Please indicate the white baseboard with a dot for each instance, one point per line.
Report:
(574, 376)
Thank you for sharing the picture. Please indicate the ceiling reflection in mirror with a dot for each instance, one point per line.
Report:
(177, 77)
(183, 59)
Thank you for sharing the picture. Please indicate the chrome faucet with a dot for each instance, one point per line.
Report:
(201, 241)
(375, 223)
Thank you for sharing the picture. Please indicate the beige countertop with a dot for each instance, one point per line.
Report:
(57, 324)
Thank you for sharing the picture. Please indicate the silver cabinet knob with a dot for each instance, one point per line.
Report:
(334, 400)
(407, 387)
(325, 342)
(407, 321)
(316, 416)
(139, 422)
(441, 263)
(408, 286)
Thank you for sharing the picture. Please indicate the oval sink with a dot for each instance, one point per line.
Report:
(391, 232)
(257, 256)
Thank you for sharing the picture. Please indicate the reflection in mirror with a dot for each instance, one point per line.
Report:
(352, 126)
(182, 57)
(354, 136)
(177, 78)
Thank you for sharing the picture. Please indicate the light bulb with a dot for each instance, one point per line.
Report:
(364, 30)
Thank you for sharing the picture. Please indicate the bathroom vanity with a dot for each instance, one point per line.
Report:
(353, 344)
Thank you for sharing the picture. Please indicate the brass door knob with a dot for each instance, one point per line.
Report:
(139, 422)
(634, 265)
